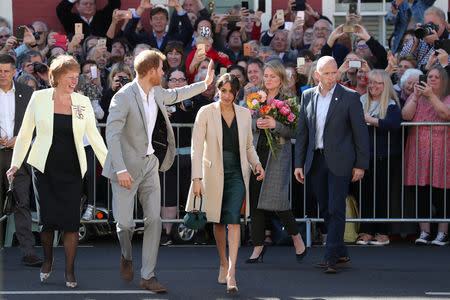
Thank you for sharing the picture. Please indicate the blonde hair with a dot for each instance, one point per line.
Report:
(387, 95)
(203, 39)
(60, 66)
(147, 60)
(311, 73)
(116, 68)
(278, 68)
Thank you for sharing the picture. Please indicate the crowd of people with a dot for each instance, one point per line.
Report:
(301, 56)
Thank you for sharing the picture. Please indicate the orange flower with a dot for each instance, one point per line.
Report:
(265, 109)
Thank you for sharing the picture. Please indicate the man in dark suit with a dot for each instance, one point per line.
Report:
(159, 18)
(95, 22)
(332, 148)
(14, 98)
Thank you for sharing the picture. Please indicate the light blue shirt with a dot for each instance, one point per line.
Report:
(323, 103)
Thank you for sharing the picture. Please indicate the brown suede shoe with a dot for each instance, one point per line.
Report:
(152, 285)
(32, 260)
(126, 269)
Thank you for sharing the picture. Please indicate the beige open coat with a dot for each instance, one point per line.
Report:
(207, 160)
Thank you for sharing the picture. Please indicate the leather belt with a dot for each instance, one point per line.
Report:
(320, 151)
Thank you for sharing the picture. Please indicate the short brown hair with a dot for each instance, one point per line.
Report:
(60, 66)
(147, 60)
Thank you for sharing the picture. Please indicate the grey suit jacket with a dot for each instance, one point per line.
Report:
(126, 128)
(345, 137)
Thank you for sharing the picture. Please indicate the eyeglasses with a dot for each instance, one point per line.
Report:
(375, 82)
(5, 36)
(308, 34)
(362, 46)
(175, 80)
(39, 32)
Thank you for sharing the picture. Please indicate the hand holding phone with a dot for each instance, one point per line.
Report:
(280, 14)
(101, 42)
(94, 72)
(78, 28)
(422, 78)
(20, 32)
(247, 49)
(354, 64)
(201, 49)
(300, 61)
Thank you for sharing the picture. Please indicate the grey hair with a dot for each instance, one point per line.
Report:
(266, 49)
(6, 21)
(330, 26)
(408, 73)
(201, 74)
(435, 11)
(4, 28)
(42, 24)
(141, 46)
(24, 78)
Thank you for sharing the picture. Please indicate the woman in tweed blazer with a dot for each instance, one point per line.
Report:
(272, 194)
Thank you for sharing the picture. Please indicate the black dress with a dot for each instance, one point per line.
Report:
(58, 190)
(233, 186)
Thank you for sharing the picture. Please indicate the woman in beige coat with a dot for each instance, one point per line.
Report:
(222, 152)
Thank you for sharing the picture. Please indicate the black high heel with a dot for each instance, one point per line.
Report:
(259, 259)
(299, 257)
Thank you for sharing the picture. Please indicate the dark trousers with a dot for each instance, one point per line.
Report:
(22, 213)
(258, 216)
(331, 192)
(381, 196)
(88, 181)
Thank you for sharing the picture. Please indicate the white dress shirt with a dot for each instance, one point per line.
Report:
(7, 112)
(323, 103)
(151, 111)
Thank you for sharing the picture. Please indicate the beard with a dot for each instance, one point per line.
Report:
(155, 80)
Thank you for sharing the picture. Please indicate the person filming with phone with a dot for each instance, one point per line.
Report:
(425, 157)
(429, 36)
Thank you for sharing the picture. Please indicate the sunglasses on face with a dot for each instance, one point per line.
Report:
(5, 36)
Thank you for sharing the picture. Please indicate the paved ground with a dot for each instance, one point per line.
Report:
(190, 272)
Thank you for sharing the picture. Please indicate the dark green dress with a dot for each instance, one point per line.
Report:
(233, 186)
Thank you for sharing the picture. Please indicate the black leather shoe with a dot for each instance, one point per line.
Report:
(330, 268)
(259, 259)
(299, 257)
(32, 260)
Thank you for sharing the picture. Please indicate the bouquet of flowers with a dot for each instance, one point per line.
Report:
(285, 112)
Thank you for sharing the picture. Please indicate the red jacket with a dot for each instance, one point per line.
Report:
(213, 54)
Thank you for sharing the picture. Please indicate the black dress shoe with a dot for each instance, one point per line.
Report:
(330, 268)
(299, 257)
(32, 260)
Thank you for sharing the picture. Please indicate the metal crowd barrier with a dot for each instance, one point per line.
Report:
(305, 218)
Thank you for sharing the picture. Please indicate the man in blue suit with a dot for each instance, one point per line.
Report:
(332, 148)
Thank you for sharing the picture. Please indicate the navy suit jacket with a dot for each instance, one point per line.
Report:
(345, 136)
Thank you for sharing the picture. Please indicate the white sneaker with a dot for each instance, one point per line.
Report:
(424, 239)
(441, 239)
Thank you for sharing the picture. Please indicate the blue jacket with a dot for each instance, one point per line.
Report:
(401, 18)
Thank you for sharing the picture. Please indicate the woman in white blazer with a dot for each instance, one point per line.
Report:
(61, 118)
(222, 152)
